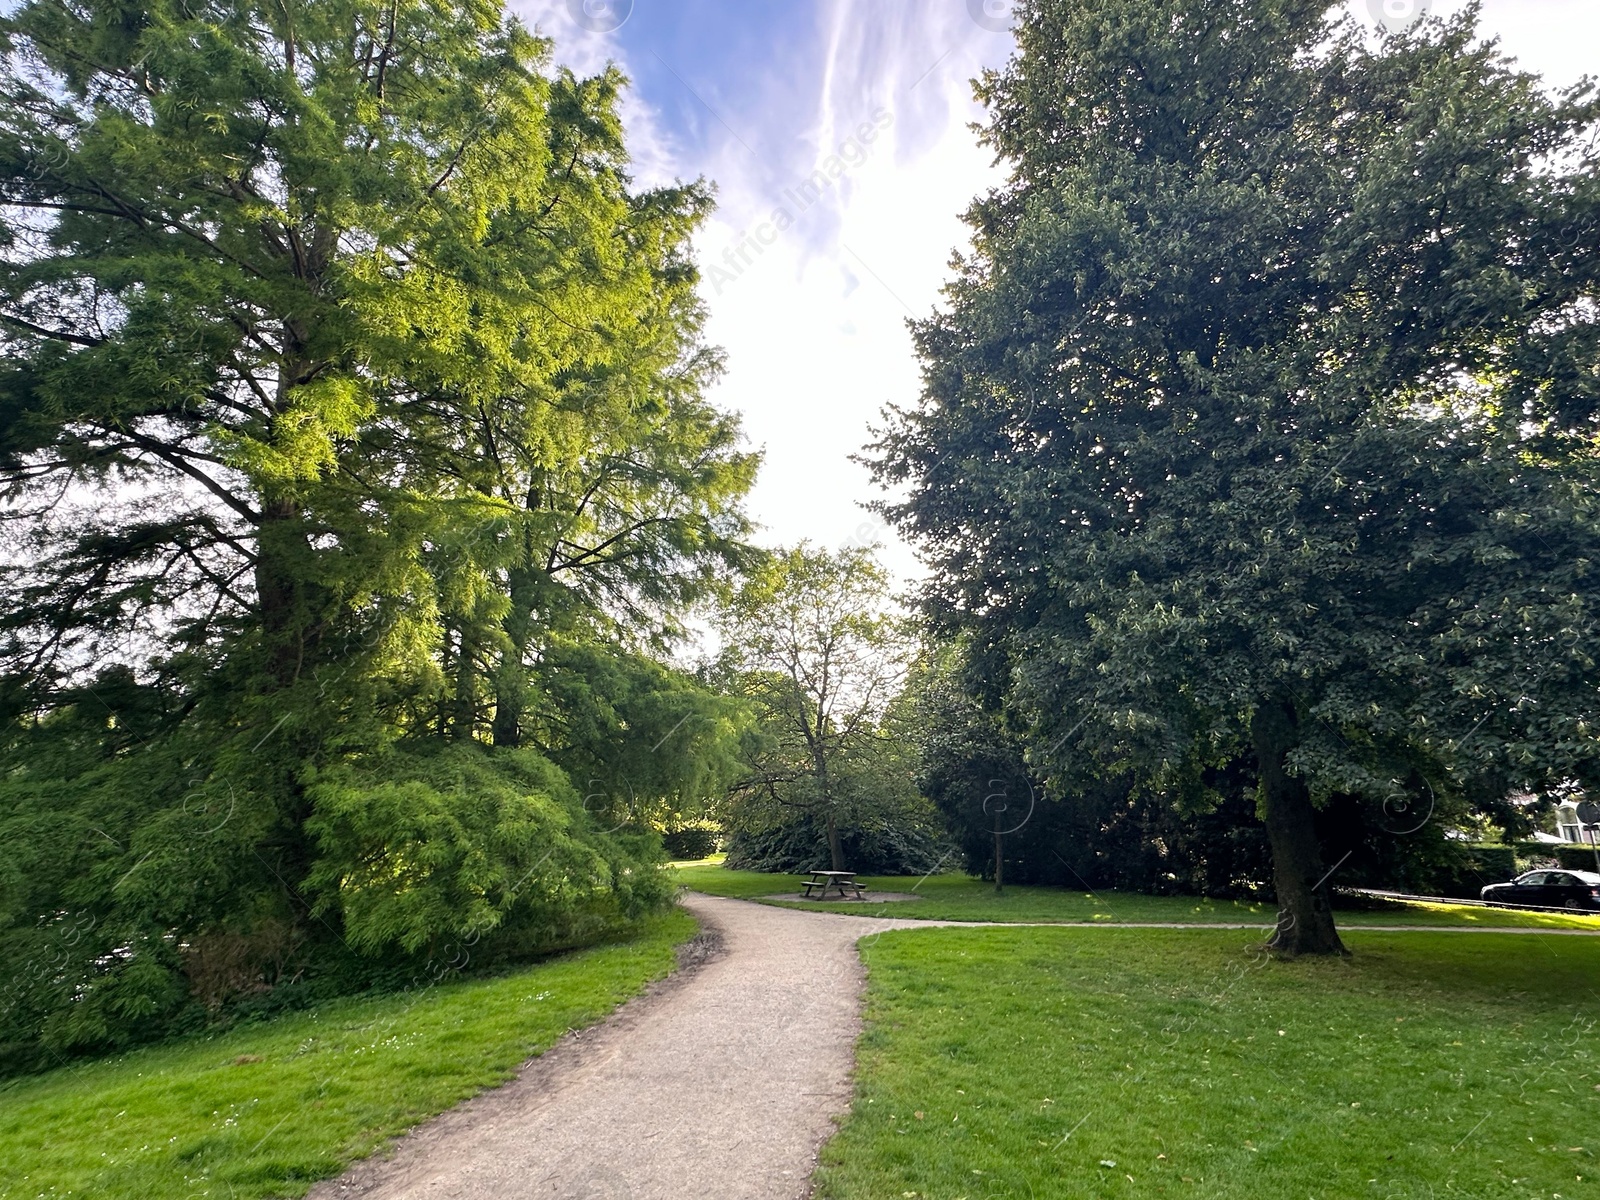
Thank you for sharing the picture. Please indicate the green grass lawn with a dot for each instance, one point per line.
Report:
(962, 898)
(1042, 1063)
(268, 1109)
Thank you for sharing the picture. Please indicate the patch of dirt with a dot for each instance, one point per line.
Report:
(695, 953)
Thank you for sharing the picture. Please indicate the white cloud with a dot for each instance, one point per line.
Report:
(1554, 38)
(814, 323)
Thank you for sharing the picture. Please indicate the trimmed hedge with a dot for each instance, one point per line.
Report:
(1572, 857)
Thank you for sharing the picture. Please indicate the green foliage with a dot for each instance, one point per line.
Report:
(409, 375)
(1110, 833)
(693, 840)
(1478, 866)
(127, 831)
(419, 849)
(646, 743)
(884, 822)
(145, 890)
(814, 644)
(1262, 421)
(1573, 857)
(351, 417)
(907, 840)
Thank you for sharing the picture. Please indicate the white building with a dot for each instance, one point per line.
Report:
(1572, 829)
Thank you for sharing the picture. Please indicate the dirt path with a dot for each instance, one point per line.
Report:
(721, 1084)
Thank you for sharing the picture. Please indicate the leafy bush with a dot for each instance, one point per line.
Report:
(1531, 855)
(1476, 867)
(139, 899)
(462, 843)
(692, 840)
(913, 844)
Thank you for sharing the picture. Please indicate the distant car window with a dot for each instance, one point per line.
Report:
(1557, 879)
(1532, 879)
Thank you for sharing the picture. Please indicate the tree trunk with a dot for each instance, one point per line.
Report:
(999, 863)
(441, 719)
(511, 672)
(289, 635)
(510, 696)
(278, 592)
(1305, 916)
(286, 596)
(835, 848)
(464, 718)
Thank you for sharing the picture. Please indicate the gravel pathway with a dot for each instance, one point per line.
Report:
(721, 1083)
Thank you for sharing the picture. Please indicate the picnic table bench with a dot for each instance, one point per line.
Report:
(841, 881)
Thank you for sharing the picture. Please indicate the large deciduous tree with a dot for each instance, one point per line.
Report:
(1262, 420)
(357, 302)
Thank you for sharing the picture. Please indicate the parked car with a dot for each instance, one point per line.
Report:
(1548, 889)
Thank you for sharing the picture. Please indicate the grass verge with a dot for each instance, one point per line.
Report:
(1041, 1063)
(962, 898)
(266, 1110)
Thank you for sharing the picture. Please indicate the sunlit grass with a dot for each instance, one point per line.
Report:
(714, 860)
(1043, 1063)
(961, 898)
(268, 1109)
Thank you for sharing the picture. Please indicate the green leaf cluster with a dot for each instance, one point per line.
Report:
(419, 848)
(818, 648)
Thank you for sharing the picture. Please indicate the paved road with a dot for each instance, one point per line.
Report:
(721, 1085)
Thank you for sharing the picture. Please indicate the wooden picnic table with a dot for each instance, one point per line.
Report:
(840, 881)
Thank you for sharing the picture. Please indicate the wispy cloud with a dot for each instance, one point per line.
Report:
(759, 99)
(837, 137)
(841, 224)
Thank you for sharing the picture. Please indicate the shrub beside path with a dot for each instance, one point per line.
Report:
(722, 1082)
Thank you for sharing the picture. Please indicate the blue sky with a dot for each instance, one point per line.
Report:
(759, 98)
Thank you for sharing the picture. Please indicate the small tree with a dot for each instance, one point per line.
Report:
(816, 645)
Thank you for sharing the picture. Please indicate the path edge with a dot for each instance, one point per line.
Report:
(533, 1077)
(861, 1027)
